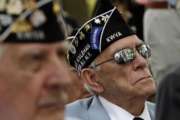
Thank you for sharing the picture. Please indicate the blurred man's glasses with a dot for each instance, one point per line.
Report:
(127, 55)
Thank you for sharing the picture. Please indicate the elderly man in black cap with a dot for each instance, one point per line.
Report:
(34, 78)
(113, 64)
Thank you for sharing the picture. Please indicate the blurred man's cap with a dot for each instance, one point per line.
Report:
(27, 21)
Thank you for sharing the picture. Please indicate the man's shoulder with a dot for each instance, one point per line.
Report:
(77, 109)
(151, 108)
(86, 109)
(151, 105)
(81, 103)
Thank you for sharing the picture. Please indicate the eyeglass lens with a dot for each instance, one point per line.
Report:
(127, 55)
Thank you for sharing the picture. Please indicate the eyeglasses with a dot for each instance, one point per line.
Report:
(127, 55)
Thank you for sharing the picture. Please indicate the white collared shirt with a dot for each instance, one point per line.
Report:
(117, 113)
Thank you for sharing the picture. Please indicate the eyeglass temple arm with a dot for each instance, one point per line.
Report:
(103, 62)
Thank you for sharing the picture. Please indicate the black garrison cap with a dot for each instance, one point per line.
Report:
(29, 21)
(96, 35)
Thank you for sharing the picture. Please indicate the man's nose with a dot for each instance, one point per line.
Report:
(57, 73)
(140, 62)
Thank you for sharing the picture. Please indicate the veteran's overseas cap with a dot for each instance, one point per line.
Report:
(96, 35)
(27, 21)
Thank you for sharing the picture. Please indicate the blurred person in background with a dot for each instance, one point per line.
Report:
(162, 33)
(78, 9)
(34, 75)
(168, 96)
(102, 6)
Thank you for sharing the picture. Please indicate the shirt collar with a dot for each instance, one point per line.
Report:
(117, 113)
(145, 114)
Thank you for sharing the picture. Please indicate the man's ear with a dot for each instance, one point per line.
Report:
(89, 77)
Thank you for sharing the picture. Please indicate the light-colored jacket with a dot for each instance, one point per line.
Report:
(92, 109)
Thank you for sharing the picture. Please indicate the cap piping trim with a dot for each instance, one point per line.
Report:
(89, 22)
(104, 28)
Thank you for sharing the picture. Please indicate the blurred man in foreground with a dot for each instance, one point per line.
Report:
(34, 77)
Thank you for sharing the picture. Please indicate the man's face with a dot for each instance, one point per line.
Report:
(35, 72)
(125, 81)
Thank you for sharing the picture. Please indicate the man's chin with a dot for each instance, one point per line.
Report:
(150, 90)
(53, 113)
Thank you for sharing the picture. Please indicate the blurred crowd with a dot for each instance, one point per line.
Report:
(89, 59)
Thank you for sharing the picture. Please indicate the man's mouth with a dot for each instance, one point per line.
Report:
(50, 104)
(143, 78)
(53, 101)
